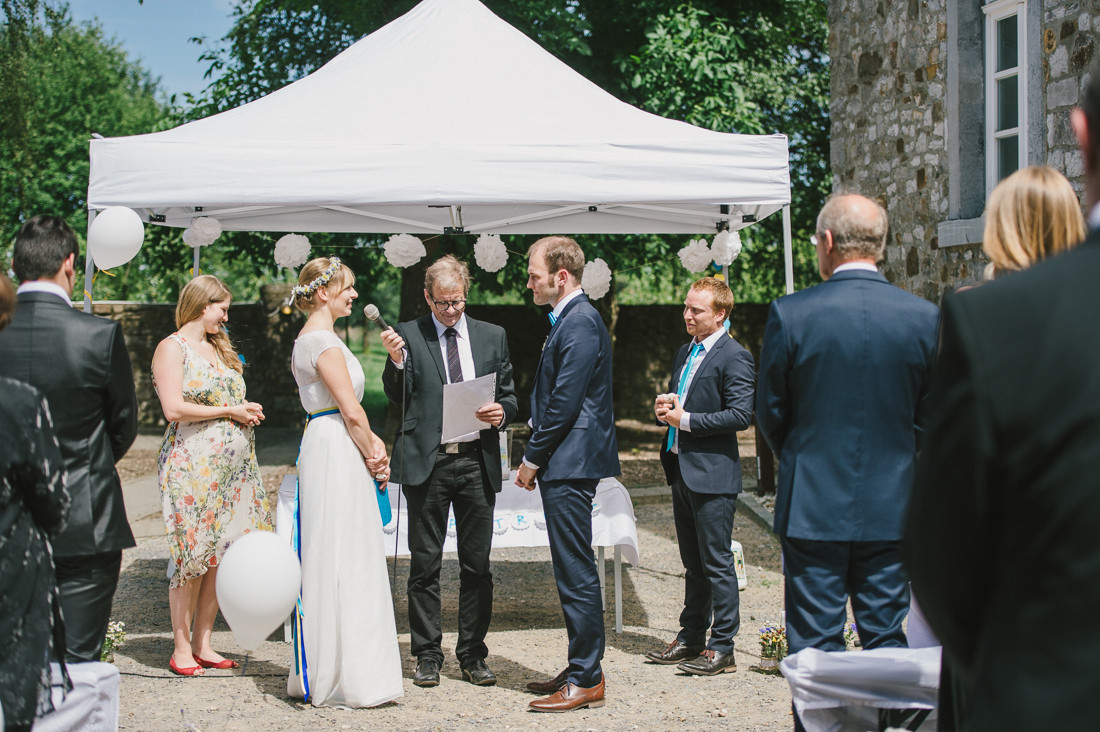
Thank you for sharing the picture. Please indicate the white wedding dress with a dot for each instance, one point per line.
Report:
(348, 631)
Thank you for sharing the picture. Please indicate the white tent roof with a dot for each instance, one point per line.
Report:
(446, 117)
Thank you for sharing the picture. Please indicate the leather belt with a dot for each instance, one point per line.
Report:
(454, 448)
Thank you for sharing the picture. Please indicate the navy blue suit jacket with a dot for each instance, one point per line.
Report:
(844, 378)
(572, 421)
(719, 399)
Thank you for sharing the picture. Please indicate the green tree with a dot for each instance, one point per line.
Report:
(62, 83)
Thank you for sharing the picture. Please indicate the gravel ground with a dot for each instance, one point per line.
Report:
(526, 641)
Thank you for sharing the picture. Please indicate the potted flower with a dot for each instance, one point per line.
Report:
(773, 646)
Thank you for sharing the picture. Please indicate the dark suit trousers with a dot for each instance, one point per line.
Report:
(456, 481)
(704, 530)
(819, 577)
(568, 509)
(87, 585)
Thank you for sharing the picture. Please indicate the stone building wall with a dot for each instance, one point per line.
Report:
(907, 114)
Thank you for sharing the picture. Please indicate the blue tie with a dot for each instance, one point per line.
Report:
(695, 350)
(553, 319)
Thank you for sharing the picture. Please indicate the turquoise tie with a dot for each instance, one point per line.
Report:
(695, 350)
(553, 319)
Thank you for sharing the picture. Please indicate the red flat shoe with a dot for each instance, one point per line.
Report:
(184, 671)
(223, 664)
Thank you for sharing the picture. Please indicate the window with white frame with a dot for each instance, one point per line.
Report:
(1005, 89)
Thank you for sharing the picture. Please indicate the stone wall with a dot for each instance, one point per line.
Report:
(907, 115)
(646, 340)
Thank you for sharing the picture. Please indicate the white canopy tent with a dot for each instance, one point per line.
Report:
(447, 120)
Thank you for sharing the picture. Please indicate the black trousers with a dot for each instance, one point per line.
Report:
(704, 532)
(87, 585)
(458, 481)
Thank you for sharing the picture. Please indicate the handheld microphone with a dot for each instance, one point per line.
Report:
(372, 314)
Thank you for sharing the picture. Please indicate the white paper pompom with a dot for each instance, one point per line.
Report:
(202, 232)
(696, 255)
(596, 280)
(490, 252)
(726, 247)
(292, 251)
(404, 250)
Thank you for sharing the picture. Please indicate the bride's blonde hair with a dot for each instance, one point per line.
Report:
(313, 277)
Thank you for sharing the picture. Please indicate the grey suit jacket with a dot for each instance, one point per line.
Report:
(80, 363)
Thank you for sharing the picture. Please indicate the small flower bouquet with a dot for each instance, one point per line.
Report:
(851, 636)
(116, 636)
(773, 646)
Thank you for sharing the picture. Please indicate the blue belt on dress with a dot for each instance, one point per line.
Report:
(321, 413)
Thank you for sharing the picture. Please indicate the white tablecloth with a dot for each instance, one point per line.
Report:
(518, 519)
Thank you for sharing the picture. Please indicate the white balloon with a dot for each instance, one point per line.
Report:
(115, 236)
(258, 583)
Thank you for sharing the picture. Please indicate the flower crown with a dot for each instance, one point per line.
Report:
(306, 291)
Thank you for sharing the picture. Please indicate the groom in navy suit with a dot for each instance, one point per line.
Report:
(572, 447)
(709, 400)
(844, 379)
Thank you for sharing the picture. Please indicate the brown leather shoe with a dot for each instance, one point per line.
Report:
(677, 651)
(570, 697)
(550, 685)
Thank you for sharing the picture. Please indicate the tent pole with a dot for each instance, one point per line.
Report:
(195, 266)
(788, 253)
(89, 267)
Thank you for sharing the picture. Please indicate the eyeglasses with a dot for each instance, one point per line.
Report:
(446, 304)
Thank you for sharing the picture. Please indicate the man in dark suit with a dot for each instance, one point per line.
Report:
(79, 362)
(710, 398)
(446, 346)
(572, 447)
(1001, 540)
(844, 378)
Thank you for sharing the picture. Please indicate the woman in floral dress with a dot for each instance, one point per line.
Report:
(210, 483)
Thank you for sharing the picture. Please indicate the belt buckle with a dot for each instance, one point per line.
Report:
(451, 448)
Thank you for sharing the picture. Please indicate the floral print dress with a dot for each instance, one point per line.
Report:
(211, 490)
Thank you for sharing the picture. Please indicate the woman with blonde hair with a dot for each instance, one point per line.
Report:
(345, 637)
(1031, 215)
(211, 490)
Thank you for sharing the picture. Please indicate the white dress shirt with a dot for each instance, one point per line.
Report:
(44, 286)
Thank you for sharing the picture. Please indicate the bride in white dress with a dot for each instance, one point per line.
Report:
(346, 650)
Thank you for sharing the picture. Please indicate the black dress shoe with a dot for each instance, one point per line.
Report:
(710, 663)
(677, 651)
(549, 686)
(427, 672)
(478, 674)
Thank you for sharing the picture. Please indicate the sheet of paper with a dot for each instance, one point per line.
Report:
(461, 401)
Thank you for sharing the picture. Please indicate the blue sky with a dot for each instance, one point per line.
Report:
(155, 33)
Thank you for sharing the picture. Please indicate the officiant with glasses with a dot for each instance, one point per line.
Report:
(447, 347)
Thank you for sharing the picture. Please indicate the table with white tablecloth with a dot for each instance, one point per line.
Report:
(518, 520)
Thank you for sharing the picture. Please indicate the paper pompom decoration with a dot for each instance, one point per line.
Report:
(490, 252)
(202, 232)
(696, 255)
(596, 280)
(292, 251)
(726, 247)
(404, 250)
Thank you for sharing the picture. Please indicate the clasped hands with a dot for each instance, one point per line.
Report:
(250, 414)
(668, 409)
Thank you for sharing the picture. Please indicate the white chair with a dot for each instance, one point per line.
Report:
(856, 691)
(91, 706)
